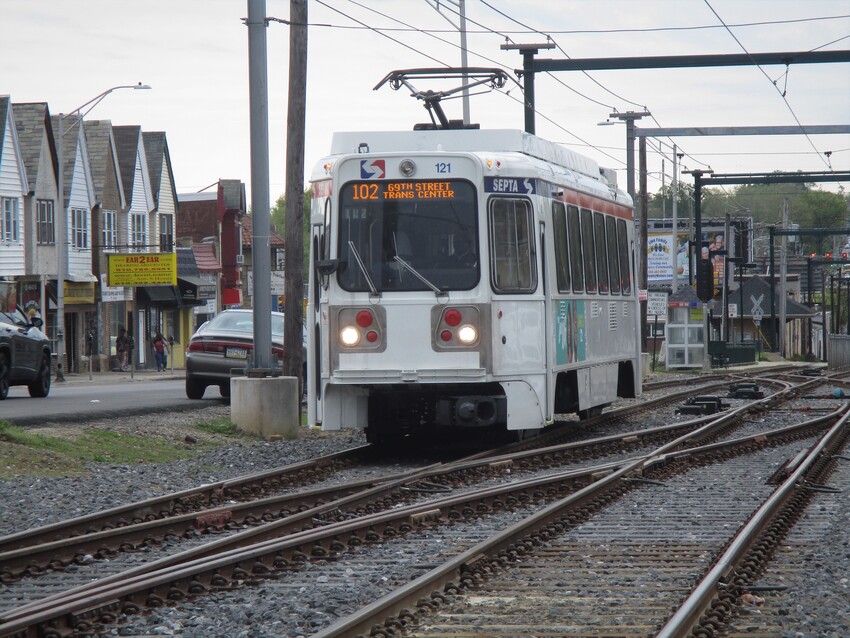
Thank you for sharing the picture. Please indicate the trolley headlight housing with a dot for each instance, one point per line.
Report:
(361, 329)
(457, 327)
(407, 167)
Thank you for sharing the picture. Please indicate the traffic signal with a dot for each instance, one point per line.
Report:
(705, 280)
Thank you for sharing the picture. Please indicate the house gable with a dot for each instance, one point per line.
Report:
(13, 191)
(32, 121)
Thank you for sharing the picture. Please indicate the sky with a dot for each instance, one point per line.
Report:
(194, 55)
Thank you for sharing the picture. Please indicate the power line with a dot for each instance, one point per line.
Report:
(379, 32)
(507, 32)
(764, 73)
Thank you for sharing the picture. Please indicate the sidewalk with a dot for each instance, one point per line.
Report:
(111, 376)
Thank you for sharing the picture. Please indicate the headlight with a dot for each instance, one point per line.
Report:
(407, 167)
(467, 334)
(349, 336)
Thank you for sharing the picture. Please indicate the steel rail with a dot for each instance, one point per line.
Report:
(378, 490)
(471, 566)
(31, 550)
(58, 554)
(186, 499)
(105, 595)
(692, 609)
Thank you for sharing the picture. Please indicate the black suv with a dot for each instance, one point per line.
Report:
(24, 354)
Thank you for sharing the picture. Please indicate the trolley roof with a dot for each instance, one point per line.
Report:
(472, 141)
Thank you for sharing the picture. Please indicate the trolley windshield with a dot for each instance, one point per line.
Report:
(408, 235)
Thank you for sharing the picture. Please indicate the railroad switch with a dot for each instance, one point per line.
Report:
(811, 372)
(702, 405)
(745, 390)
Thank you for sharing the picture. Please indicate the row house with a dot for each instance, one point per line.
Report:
(79, 289)
(120, 198)
(221, 235)
(277, 258)
(211, 223)
(38, 206)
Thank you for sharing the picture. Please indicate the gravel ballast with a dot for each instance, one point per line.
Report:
(315, 596)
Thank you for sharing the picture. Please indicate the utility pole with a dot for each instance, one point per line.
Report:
(259, 111)
(643, 278)
(293, 362)
(675, 284)
(528, 52)
(783, 274)
(464, 62)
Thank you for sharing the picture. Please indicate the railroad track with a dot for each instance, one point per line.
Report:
(585, 567)
(145, 524)
(530, 458)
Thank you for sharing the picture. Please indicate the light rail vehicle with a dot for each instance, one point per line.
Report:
(466, 280)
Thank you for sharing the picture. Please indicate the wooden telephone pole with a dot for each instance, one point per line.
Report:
(294, 213)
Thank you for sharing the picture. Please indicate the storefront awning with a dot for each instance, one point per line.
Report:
(159, 295)
(195, 290)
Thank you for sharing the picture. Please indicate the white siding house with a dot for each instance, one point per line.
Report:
(137, 188)
(13, 191)
(36, 140)
(141, 233)
(79, 199)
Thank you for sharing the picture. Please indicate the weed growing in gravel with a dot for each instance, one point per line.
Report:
(218, 426)
(66, 455)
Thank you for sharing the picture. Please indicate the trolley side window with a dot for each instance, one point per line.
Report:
(574, 238)
(562, 265)
(601, 252)
(512, 245)
(623, 243)
(613, 256)
(589, 250)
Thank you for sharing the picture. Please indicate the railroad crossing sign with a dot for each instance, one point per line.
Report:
(656, 303)
(758, 313)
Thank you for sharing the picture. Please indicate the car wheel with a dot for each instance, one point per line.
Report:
(224, 388)
(194, 388)
(41, 386)
(4, 375)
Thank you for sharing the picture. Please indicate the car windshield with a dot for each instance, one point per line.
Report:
(408, 235)
(15, 317)
(242, 322)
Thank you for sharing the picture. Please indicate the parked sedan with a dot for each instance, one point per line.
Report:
(222, 347)
(24, 354)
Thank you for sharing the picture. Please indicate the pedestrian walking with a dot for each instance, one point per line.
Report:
(160, 350)
(122, 347)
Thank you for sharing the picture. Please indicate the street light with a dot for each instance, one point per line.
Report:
(62, 221)
(629, 118)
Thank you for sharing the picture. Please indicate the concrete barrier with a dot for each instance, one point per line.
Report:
(266, 406)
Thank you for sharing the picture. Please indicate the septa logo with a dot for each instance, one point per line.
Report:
(372, 169)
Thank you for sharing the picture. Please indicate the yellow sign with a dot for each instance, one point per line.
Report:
(153, 269)
(78, 292)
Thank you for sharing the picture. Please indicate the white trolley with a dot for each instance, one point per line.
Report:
(466, 278)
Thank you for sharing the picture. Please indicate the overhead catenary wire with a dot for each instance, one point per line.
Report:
(504, 33)
(772, 82)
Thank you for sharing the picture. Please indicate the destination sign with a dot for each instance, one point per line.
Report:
(515, 185)
(376, 191)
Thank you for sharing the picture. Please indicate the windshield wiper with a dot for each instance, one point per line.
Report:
(365, 272)
(421, 278)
